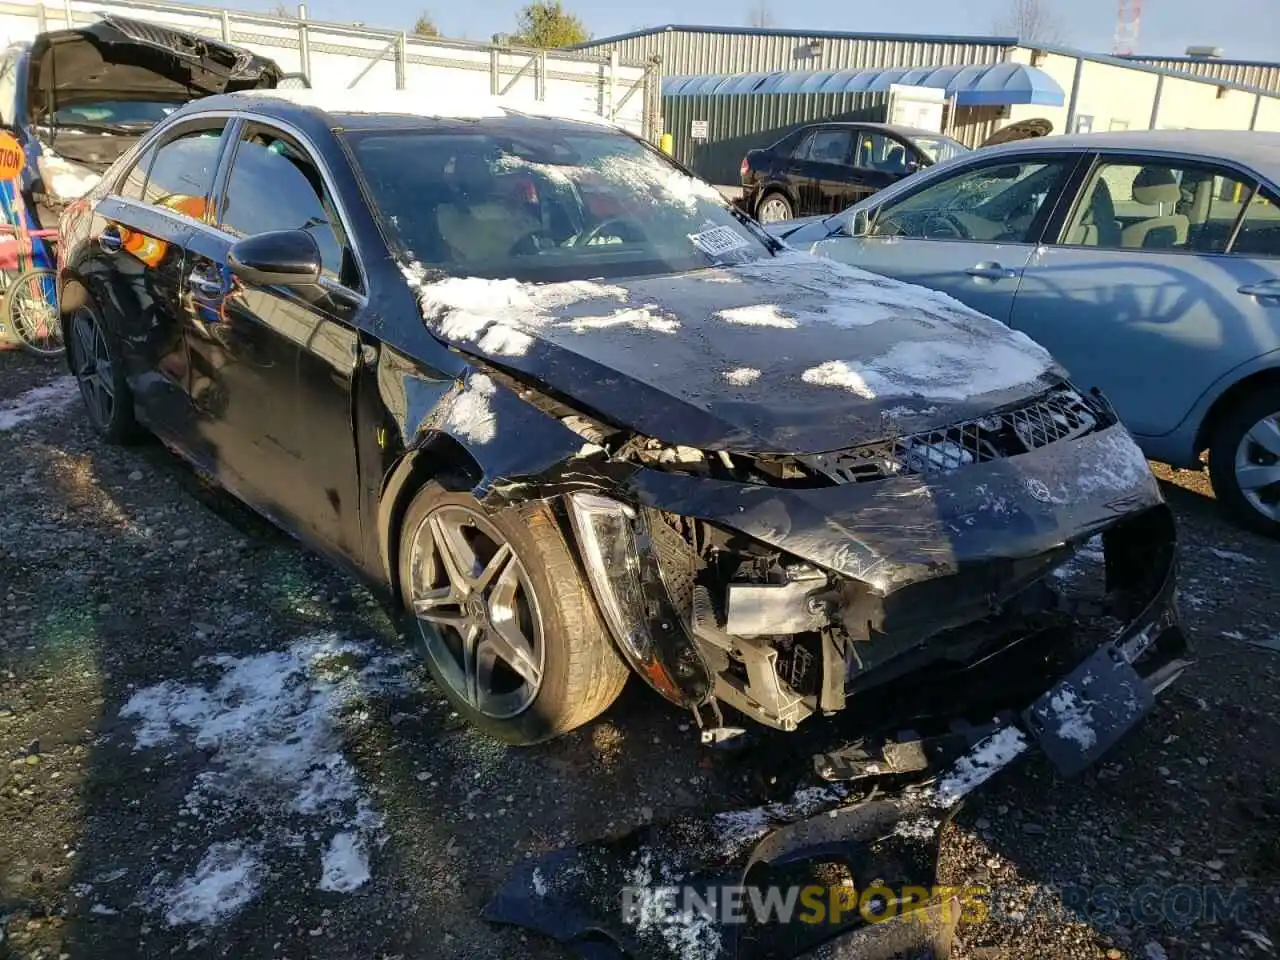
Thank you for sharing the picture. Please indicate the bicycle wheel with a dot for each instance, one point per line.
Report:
(31, 312)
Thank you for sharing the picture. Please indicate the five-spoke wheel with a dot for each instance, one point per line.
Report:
(508, 626)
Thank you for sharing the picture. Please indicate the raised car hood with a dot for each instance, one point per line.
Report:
(117, 58)
(792, 354)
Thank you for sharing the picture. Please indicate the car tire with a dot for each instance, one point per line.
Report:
(579, 672)
(94, 358)
(774, 206)
(1232, 448)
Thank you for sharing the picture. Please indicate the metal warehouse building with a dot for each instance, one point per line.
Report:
(740, 88)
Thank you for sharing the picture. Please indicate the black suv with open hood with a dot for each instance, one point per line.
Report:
(76, 99)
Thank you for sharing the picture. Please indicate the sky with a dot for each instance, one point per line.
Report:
(1244, 29)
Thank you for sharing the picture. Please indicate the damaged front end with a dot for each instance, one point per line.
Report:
(822, 578)
(998, 590)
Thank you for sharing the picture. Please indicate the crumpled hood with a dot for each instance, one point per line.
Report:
(117, 58)
(790, 354)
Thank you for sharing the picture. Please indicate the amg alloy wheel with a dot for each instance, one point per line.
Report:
(93, 361)
(482, 626)
(507, 624)
(1244, 461)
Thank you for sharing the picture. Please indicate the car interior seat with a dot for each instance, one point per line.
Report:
(895, 159)
(1098, 227)
(1157, 187)
(479, 221)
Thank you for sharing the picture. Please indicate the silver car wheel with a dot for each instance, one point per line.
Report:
(477, 611)
(1258, 466)
(774, 209)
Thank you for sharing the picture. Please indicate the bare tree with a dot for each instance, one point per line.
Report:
(1031, 21)
(280, 10)
(424, 26)
(760, 15)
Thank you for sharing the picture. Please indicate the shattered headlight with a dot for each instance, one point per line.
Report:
(612, 559)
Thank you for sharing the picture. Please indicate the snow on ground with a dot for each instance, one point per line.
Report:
(271, 727)
(225, 881)
(1232, 555)
(38, 401)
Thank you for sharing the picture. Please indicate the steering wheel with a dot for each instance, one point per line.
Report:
(629, 231)
(951, 227)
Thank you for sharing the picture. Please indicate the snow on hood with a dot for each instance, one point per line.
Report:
(792, 353)
(63, 178)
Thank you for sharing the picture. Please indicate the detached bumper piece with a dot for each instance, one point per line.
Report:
(857, 865)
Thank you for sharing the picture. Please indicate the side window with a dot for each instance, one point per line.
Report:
(832, 145)
(135, 182)
(1259, 234)
(1157, 206)
(181, 173)
(990, 203)
(8, 89)
(274, 185)
(875, 151)
(801, 149)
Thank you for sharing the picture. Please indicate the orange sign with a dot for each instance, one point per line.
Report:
(12, 159)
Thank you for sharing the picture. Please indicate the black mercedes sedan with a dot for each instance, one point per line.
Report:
(579, 417)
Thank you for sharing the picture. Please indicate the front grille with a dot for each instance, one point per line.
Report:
(1061, 414)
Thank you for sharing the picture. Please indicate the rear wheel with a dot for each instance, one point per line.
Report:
(31, 312)
(509, 628)
(774, 206)
(1244, 461)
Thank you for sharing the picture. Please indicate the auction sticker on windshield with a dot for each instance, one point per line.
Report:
(717, 241)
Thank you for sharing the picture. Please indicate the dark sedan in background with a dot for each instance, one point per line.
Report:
(824, 167)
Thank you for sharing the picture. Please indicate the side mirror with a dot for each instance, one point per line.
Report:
(860, 224)
(278, 259)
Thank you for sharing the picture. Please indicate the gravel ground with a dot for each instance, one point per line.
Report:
(210, 744)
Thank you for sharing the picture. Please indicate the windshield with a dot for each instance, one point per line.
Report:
(938, 149)
(541, 201)
(115, 114)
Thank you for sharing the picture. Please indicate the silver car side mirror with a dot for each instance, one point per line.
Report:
(860, 223)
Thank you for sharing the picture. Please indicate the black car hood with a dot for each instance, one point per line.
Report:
(117, 58)
(790, 354)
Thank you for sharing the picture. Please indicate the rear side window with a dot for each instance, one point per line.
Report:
(831, 146)
(135, 182)
(1259, 234)
(1158, 206)
(274, 185)
(181, 173)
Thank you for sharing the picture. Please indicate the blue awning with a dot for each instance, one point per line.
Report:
(984, 85)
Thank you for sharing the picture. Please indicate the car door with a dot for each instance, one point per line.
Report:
(272, 366)
(139, 237)
(878, 160)
(1160, 280)
(829, 169)
(968, 232)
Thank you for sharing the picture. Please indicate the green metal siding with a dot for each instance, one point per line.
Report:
(740, 123)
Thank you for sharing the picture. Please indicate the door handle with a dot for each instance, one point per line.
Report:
(991, 271)
(204, 285)
(1263, 288)
(110, 241)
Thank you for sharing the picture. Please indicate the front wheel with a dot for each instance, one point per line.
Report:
(1244, 462)
(510, 631)
(98, 370)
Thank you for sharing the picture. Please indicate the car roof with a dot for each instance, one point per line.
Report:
(890, 127)
(393, 108)
(1258, 151)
